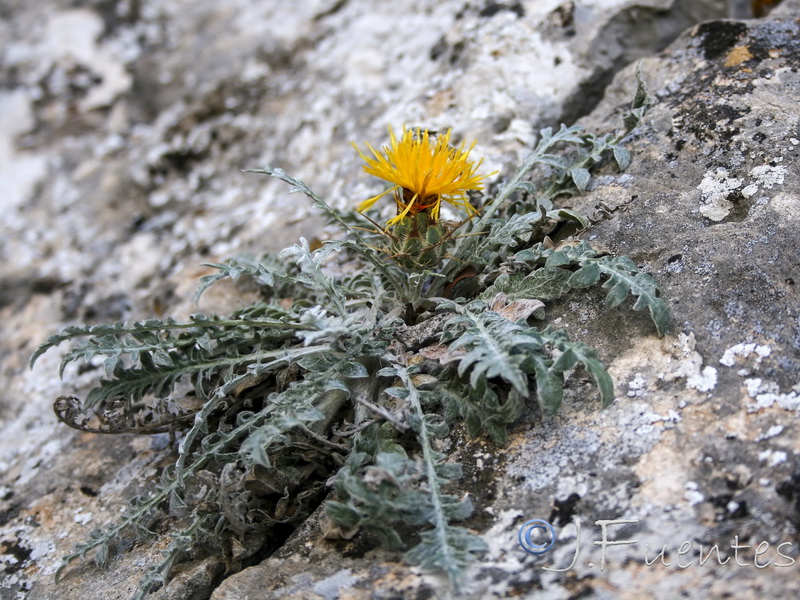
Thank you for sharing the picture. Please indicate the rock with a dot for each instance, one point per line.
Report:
(123, 129)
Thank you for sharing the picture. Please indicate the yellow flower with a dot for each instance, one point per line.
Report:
(425, 172)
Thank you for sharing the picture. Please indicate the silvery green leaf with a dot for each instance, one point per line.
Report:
(623, 157)
(580, 177)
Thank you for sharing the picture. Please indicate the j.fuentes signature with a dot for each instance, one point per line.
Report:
(538, 537)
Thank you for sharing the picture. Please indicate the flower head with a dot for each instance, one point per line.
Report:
(425, 171)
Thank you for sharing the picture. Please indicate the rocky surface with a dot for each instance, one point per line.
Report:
(123, 127)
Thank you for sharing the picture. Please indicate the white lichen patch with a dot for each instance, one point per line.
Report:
(768, 393)
(83, 517)
(637, 386)
(664, 361)
(718, 185)
(715, 188)
(42, 549)
(704, 381)
(692, 494)
(773, 431)
(772, 457)
(768, 176)
(744, 351)
(690, 366)
(764, 176)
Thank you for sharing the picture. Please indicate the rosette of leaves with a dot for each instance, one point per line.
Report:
(337, 383)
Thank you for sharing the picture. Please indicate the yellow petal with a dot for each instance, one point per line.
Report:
(402, 215)
(366, 204)
(427, 168)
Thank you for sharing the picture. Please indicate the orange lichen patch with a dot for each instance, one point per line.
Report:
(737, 56)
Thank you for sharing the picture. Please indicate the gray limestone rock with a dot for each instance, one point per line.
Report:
(123, 129)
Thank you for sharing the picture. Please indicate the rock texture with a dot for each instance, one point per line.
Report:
(123, 127)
